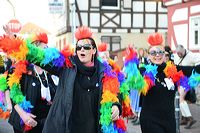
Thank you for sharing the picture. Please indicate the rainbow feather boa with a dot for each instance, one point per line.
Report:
(13, 82)
(124, 89)
(134, 79)
(143, 83)
(3, 110)
(23, 50)
(194, 79)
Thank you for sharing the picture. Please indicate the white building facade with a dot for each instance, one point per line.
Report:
(117, 22)
(184, 23)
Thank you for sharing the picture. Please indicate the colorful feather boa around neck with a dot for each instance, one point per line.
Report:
(23, 50)
(144, 83)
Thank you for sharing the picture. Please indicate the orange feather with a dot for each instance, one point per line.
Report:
(83, 32)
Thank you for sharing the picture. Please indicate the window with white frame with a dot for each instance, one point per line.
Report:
(195, 32)
(114, 42)
(110, 4)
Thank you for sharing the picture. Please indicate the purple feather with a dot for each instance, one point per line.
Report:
(1, 96)
(184, 83)
(59, 62)
(151, 76)
(121, 77)
(134, 60)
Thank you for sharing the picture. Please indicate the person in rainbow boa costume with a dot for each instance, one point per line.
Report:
(31, 90)
(157, 85)
(61, 117)
(99, 110)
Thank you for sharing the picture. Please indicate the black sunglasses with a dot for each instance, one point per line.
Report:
(166, 54)
(154, 53)
(85, 47)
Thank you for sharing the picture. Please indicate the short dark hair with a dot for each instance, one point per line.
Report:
(168, 49)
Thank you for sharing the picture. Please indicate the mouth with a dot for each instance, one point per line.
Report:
(83, 55)
(157, 59)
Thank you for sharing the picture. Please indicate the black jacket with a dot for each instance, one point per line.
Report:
(58, 118)
(33, 94)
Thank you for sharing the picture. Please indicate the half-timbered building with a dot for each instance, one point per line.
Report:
(183, 23)
(117, 22)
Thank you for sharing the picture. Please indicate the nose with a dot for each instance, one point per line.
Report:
(82, 48)
(157, 54)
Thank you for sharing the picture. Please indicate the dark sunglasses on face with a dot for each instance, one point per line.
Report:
(154, 53)
(166, 54)
(85, 47)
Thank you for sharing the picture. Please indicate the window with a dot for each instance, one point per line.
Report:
(113, 41)
(195, 32)
(196, 37)
(110, 4)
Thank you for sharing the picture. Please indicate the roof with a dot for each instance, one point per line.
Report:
(29, 28)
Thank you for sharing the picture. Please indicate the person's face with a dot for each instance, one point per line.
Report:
(180, 53)
(40, 44)
(166, 56)
(157, 55)
(141, 52)
(85, 51)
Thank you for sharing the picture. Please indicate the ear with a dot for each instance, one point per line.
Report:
(94, 51)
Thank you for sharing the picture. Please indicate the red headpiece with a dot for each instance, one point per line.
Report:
(42, 37)
(102, 47)
(83, 32)
(155, 39)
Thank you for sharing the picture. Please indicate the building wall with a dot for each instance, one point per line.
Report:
(138, 40)
(131, 20)
(179, 24)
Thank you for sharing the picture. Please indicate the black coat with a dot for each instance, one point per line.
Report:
(33, 94)
(158, 111)
(58, 118)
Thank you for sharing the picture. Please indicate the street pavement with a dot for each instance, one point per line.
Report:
(5, 127)
(195, 110)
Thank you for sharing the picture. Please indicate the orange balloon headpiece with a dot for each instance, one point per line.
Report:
(155, 39)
